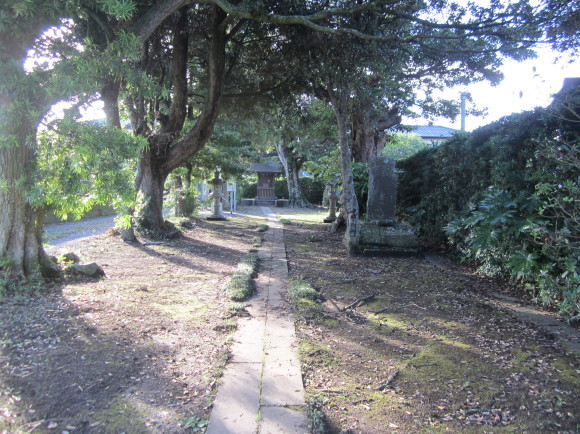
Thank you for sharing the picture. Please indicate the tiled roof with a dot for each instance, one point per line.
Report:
(268, 167)
(432, 131)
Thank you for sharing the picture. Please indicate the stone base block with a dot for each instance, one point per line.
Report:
(281, 203)
(247, 202)
(396, 240)
(215, 218)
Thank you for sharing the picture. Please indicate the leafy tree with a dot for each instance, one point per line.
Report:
(26, 95)
(303, 131)
(24, 99)
(400, 146)
(431, 44)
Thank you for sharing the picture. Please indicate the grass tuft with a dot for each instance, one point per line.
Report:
(241, 286)
(262, 228)
(300, 289)
(317, 423)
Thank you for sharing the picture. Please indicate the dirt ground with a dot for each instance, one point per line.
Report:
(428, 351)
(142, 350)
(139, 351)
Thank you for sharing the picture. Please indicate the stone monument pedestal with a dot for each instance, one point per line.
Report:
(397, 239)
(332, 198)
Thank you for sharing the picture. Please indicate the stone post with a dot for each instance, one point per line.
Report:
(332, 199)
(215, 208)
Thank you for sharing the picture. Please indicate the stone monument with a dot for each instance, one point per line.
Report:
(216, 206)
(381, 233)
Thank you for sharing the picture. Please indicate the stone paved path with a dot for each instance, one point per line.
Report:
(262, 390)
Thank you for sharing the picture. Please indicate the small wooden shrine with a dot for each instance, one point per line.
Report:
(267, 173)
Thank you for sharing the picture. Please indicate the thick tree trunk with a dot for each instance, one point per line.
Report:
(22, 256)
(166, 154)
(349, 209)
(368, 132)
(110, 97)
(180, 205)
(149, 211)
(295, 197)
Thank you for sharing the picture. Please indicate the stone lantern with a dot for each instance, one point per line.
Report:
(332, 199)
(216, 206)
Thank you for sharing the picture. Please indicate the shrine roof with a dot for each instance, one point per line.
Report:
(268, 167)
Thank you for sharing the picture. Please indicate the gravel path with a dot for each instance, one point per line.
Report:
(60, 233)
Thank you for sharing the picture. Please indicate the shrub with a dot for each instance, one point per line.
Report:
(506, 196)
(312, 190)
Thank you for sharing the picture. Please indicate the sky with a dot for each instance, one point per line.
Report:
(526, 85)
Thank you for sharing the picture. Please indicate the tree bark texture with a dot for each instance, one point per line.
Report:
(291, 168)
(149, 212)
(368, 132)
(21, 248)
(110, 97)
(349, 202)
(180, 208)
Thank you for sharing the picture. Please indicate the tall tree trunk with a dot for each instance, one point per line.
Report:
(349, 202)
(149, 212)
(110, 97)
(368, 132)
(180, 206)
(295, 197)
(22, 256)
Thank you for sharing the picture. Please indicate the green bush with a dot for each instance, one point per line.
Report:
(281, 188)
(312, 190)
(507, 197)
(240, 285)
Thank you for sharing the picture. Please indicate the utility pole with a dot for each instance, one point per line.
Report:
(463, 99)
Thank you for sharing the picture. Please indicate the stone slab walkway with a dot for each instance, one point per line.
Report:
(262, 390)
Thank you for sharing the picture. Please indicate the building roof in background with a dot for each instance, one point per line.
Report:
(434, 131)
(267, 167)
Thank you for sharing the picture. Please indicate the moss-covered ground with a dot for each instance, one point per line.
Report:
(426, 350)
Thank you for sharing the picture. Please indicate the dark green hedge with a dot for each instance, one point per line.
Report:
(438, 184)
(312, 189)
(506, 196)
